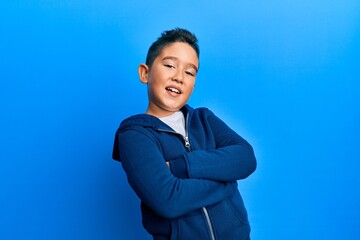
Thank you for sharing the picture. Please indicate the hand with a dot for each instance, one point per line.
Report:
(168, 164)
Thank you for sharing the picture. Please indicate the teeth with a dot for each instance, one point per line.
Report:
(173, 90)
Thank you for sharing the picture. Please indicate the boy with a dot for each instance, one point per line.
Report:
(183, 163)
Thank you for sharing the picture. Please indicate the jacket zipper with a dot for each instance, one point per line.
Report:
(188, 147)
(209, 223)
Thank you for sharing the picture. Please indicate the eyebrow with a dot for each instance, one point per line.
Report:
(176, 59)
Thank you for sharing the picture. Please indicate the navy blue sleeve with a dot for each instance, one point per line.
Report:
(231, 160)
(154, 183)
(179, 168)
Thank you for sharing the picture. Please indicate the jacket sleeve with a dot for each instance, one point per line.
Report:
(154, 183)
(232, 159)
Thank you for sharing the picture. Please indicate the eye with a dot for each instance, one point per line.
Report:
(169, 66)
(190, 73)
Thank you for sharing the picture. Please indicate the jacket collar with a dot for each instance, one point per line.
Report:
(145, 120)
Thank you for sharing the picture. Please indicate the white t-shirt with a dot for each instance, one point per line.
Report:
(176, 121)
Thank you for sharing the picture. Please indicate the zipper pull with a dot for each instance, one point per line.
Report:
(187, 143)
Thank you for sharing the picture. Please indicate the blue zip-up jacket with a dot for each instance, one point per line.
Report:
(197, 197)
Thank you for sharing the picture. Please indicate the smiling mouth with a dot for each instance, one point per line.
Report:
(174, 90)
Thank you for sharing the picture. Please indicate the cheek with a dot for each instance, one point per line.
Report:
(192, 86)
(153, 82)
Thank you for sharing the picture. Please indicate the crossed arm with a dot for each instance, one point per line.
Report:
(154, 183)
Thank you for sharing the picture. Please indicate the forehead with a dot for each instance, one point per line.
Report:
(180, 51)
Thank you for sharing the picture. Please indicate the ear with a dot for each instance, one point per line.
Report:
(143, 71)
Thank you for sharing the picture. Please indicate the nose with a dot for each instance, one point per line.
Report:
(178, 77)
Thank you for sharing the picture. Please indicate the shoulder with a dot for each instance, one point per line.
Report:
(134, 131)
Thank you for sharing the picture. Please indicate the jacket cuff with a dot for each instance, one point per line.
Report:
(179, 168)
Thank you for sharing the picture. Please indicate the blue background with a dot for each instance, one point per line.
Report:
(284, 74)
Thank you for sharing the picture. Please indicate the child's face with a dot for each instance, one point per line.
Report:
(171, 78)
